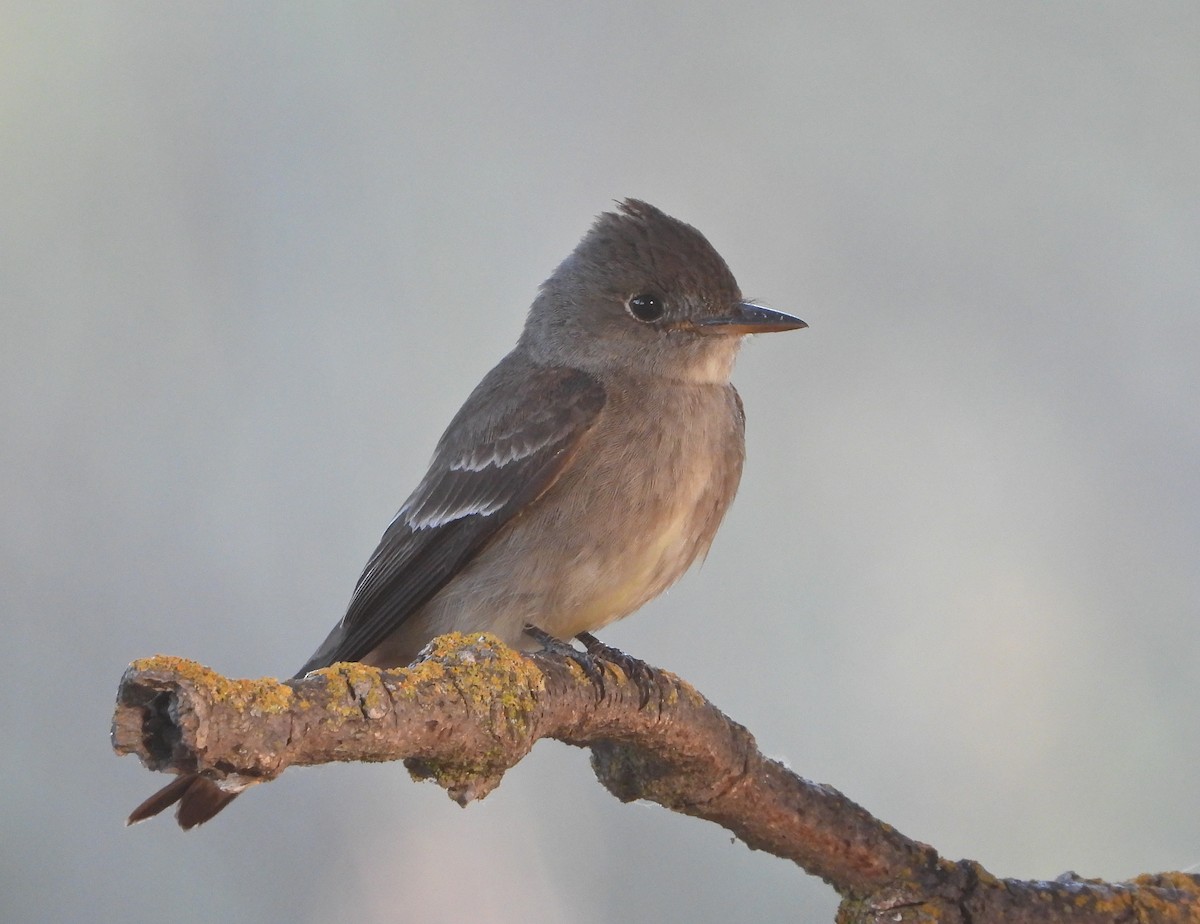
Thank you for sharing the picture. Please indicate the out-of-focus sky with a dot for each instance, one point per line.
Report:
(253, 256)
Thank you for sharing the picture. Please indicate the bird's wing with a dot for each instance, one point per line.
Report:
(512, 439)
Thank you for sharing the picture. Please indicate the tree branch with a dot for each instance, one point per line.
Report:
(472, 708)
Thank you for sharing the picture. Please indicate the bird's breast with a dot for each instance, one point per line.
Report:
(657, 486)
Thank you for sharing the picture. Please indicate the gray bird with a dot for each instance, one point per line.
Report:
(582, 476)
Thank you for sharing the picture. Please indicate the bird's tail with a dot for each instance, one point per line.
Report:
(199, 800)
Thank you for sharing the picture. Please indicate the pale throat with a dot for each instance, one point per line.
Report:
(711, 367)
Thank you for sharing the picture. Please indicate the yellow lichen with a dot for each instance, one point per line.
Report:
(489, 674)
(491, 678)
(261, 696)
(496, 682)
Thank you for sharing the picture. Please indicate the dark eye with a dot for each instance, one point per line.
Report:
(646, 307)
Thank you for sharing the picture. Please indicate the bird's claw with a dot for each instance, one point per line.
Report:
(637, 671)
(554, 644)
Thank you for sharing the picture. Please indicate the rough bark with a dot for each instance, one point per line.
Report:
(472, 708)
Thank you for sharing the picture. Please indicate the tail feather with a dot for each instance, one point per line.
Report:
(199, 800)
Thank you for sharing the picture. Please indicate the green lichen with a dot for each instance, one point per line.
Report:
(465, 780)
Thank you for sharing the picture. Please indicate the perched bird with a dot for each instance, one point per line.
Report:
(582, 476)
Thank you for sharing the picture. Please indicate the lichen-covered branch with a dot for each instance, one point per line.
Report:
(472, 708)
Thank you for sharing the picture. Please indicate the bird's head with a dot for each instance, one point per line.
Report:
(645, 293)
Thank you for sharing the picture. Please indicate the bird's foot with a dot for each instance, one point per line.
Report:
(554, 644)
(638, 672)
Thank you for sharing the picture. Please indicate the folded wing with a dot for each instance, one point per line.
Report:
(514, 437)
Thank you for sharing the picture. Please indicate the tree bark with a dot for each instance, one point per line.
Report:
(472, 708)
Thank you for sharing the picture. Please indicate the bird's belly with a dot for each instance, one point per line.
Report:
(641, 574)
(652, 553)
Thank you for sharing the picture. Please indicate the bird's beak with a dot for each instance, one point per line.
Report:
(748, 318)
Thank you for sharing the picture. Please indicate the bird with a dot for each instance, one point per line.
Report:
(580, 479)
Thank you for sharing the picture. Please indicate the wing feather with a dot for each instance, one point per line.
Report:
(508, 445)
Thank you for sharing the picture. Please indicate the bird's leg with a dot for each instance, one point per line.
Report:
(638, 673)
(553, 643)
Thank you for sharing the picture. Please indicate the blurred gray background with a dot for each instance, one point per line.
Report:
(254, 256)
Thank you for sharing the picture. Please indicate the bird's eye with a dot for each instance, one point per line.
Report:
(646, 307)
